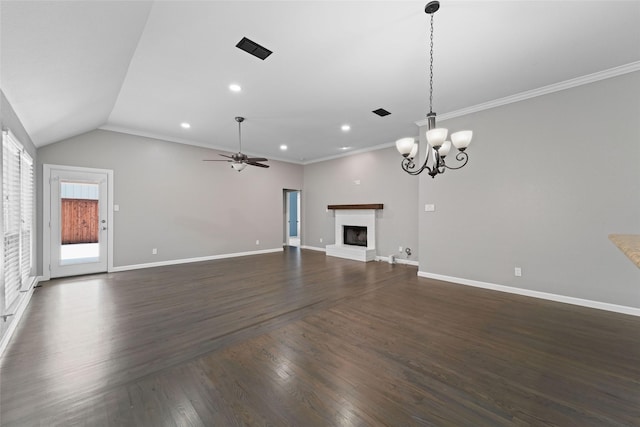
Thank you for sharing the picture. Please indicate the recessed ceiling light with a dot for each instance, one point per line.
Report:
(283, 147)
(345, 128)
(185, 125)
(235, 87)
(344, 148)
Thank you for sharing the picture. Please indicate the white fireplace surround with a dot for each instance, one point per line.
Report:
(354, 217)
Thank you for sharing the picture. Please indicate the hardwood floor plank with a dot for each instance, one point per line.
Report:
(297, 338)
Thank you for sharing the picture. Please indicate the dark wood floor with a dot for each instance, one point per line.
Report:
(300, 339)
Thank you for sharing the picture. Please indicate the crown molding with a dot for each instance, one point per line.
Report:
(127, 131)
(545, 90)
(352, 153)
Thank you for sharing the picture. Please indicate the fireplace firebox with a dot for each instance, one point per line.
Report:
(354, 235)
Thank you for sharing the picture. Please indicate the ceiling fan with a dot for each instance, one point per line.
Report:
(239, 160)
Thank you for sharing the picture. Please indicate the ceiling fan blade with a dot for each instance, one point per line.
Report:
(257, 159)
(208, 160)
(260, 165)
(224, 155)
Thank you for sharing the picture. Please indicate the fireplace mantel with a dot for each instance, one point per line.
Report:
(357, 207)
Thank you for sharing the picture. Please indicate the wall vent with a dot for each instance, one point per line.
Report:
(381, 112)
(253, 48)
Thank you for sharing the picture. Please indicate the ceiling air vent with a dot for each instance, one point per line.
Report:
(253, 48)
(381, 112)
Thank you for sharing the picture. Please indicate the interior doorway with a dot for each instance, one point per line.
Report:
(291, 202)
(77, 214)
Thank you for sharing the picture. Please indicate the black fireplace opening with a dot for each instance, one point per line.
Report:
(354, 235)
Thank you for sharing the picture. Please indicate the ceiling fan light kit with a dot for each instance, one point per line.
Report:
(438, 147)
(239, 160)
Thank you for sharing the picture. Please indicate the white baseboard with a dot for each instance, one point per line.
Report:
(15, 319)
(535, 294)
(398, 260)
(313, 248)
(188, 260)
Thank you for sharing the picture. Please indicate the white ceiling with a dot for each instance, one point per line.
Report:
(68, 67)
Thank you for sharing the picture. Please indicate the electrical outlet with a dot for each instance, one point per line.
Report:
(400, 249)
(517, 271)
(321, 240)
(257, 242)
(154, 251)
(429, 208)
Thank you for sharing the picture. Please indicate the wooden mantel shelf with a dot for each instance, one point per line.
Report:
(369, 206)
(629, 244)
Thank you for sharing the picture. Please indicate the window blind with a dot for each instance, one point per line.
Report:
(26, 214)
(17, 193)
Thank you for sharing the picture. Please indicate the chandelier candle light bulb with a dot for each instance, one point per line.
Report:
(405, 146)
(436, 137)
(438, 146)
(461, 139)
(444, 149)
(414, 150)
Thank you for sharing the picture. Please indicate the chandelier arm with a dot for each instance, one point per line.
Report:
(461, 157)
(408, 165)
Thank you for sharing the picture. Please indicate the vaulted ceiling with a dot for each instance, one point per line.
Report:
(69, 67)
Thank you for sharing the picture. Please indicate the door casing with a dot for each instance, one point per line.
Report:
(46, 213)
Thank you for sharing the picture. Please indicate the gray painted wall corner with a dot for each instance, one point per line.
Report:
(171, 200)
(548, 179)
(370, 177)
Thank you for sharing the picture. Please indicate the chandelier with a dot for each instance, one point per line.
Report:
(438, 147)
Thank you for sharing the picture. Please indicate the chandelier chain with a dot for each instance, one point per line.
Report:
(431, 69)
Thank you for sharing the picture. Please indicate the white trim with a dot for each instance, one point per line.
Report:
(351, 153)
(189, 260)
(633, 311)
(567, 84)
(127, 131)
(313, 248)
(398, 260)
(545, 90)
(46, 213)
(144, 134)
(15, 320)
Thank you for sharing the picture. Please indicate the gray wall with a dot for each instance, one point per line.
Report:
(171, 200)
(9, 119)
(381, 181)
(548, 179)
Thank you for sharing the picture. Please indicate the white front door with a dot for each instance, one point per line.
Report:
(79, 221)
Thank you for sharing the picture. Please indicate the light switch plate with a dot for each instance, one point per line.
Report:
(429, 208)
